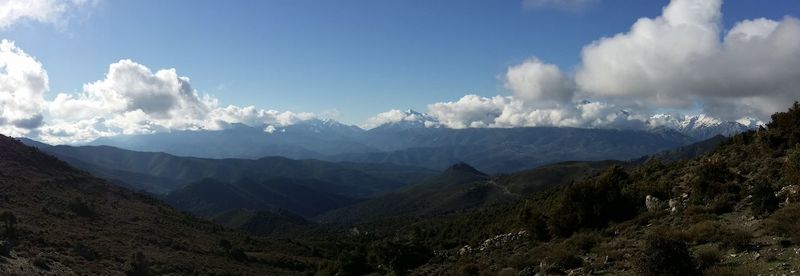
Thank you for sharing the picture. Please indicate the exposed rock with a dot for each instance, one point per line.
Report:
(465, 250)
(653, 204)
(527, 271)
(502, 239)
(789, 194)
(676, 204)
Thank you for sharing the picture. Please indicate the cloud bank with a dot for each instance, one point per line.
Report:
(131, 99)
(677, 60)
(682, 61)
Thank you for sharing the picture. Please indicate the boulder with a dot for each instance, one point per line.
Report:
(653, 204)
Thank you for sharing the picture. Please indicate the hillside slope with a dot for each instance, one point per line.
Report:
(462, 188)
(162, 173)
(732, 211)
(66, 222)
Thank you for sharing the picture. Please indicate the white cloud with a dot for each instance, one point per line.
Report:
(399, 116)
(536, 81)
(678, 60)
(23, 83)
(472, 111)
(132, 99)
(43, 11)
(567, 5)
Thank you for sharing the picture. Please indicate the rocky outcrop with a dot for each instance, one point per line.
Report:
(789, 194)
(653, 204)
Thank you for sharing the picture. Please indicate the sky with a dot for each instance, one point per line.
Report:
(131, 67)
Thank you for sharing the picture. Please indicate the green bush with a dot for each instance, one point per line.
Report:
(584, 241)
(470, 270)
(783, 130)
(786, 222)
(711, 180)
(81, 208)
(724, 203)
(9, 221)
(399, 257)
(665, 254)
(792, 167)
(708, 256)
(561, 259)
(763, 201)
(592, 204)
(137, 265)
(41, 263)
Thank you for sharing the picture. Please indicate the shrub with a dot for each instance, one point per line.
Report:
(724, 203)
(41, 263)
(80, 207)
(736, 239)
(400, 256)
(711, 231)
(711, 179)
(9, 221)
(783, 128)
(764, 201)
(792, 167)
(584, 241)
(592, 204)
(664, 254)
(237, 254)
(470, 270)
(85, 252)
(554, 258)
(703, 232)
(708, 256)
(786, 222)
(137, 265)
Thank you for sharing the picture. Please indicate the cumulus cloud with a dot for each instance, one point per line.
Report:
(399, 116)
(43, 11)
(23, 83)
(472, 111)
(678, 60)
(536, 81)
(567, 5)
(132, 99)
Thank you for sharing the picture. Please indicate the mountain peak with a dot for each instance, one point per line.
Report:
(463, 167)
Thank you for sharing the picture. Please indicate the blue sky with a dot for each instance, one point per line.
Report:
(358, 57)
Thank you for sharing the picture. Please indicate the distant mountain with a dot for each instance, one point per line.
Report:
(702, 127)
(61, 221)
(458, 187)
(207, 187)
(687, 152)
(310, 139)
(419, 140)
(496, 150)
(462, 187)
(272, 223)
(306, 197)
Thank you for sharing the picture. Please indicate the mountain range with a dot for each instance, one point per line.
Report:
(419, 142)
(207, 187)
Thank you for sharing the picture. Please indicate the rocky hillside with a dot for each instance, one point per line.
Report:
(56, 220)
(734, 211)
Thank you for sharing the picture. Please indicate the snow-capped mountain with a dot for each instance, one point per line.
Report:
(407, 119)
(319, 126)
(701, 126)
